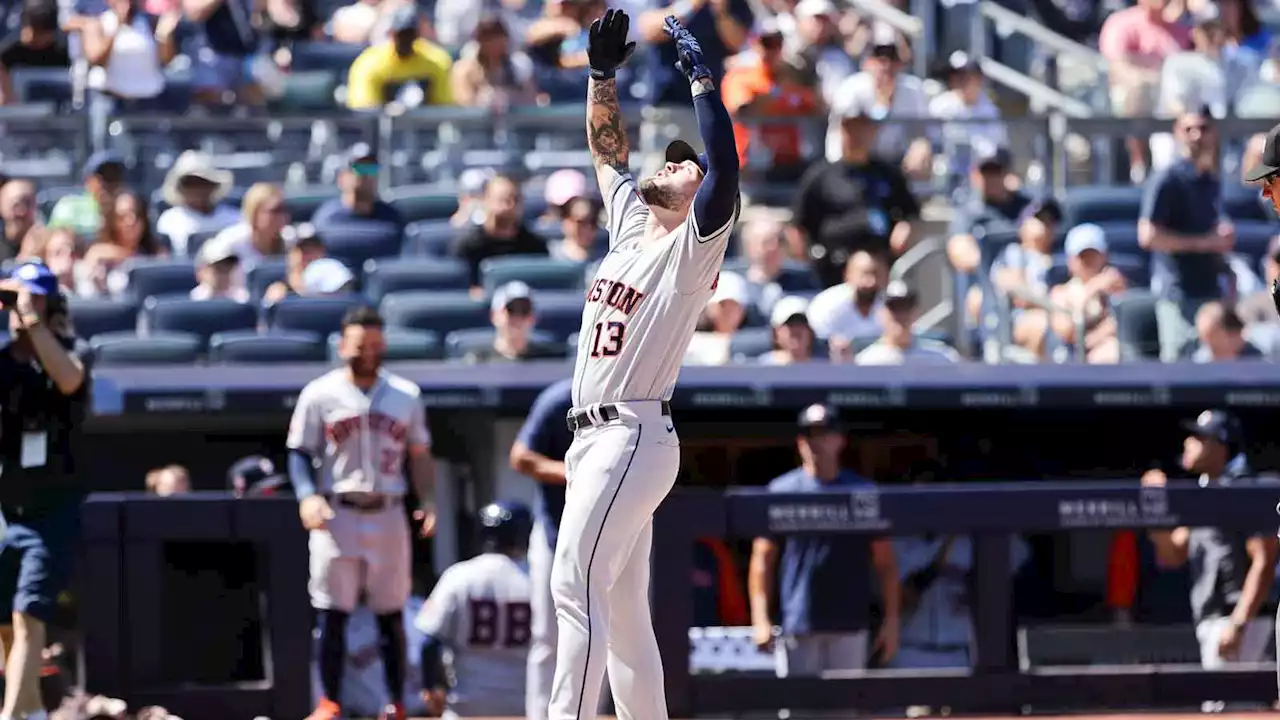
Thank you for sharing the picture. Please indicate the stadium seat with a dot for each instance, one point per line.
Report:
(1242, 202)
(306, 90)
(162, 348)
(537, 271)
(196, 240)
(795, 276)
(1253, 237)
(356, 243)
(750, 343)
(428, 238)
(559, 313)
(318, 315)
(459, 343)
(198, 317)
(440, 312)
(1098, 204)
(402, 344)
(303, 202)
(42, 85)
(266, 272)
(274, 347)
(332, 56)
(1122, 237)
(383, 277)
(96, 316)
(1137, 325)
(157, 277)
(415, 203)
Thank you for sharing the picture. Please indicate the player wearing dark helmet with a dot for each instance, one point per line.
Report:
(480, 611)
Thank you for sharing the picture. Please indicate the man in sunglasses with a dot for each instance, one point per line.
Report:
(512, 313)
(358, 202)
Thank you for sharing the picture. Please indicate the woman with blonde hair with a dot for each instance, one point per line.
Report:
(258, 235)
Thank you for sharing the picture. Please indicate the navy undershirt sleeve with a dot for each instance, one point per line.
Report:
(302, 474)
(717, 197)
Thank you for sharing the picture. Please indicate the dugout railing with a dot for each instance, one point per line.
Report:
(989, 512)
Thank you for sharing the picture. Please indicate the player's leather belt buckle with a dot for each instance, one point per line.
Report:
(608, 412)
(363, 503)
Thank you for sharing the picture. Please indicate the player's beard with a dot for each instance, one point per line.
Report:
(364, 368)
(654, 195)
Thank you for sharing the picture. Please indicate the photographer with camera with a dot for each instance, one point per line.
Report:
(44, 389)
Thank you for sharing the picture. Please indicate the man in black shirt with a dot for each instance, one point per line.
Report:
(503, 231)
(44, 384)
(37, 43)
(858, 203)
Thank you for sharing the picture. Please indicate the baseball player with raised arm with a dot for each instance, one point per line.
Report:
(667, 239)
(352, 430)
(479, 611)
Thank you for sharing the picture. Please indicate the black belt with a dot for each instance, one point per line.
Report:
(579, 419)
(363, 503)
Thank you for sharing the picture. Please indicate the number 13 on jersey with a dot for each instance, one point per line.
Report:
(607, 338)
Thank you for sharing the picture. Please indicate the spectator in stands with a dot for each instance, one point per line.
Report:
(580, 224)
(456, 20)
(305, 247)
(38, 43)
(721, 27)
(857, 202)
(18, 213)
(357, 23)
(760, 88)
(991, 207)
(547, 36)
(471, 197)
(1243, 30)
(126, 234)
(817, 43)
(260, 234)
(792, 337)
(966, 99)
(406, 58)
(724, 314)
(1181, 220)
(1136, 41)
(281, 23)
(824, 598)
(58, 250)
(1221, 334)
(560, 188)
(222, 44)
(898, 344)
(327, 276)
(1232, 571)
(503, 231)
(513, 314)
(1255, 309)
(194, 190)
(763, 247)
(168, 481)
(129, 51)
(1021, 273)
(490, 73)
(103, 177)
(573, 48)
(851, 310)
(885, 92)
(357, 201)
(218, 272)
(1086, 296)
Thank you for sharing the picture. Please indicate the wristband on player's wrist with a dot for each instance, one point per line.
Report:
(597, 74)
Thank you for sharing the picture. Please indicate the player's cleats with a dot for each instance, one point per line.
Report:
(326, 710)
(392, 712)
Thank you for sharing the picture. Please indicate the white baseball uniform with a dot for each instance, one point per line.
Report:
(641, 311)
(360, 441)
(480, 611)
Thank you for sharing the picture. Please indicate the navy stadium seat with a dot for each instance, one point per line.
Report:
(431, 238)
(196, 240)
(402, 344)
(355, 243)
(559, 313)
(1243, 202)
(319, 315)
(416, 203)
(331, 56)
(264, 274)
(383, 277)
(198, 317)
(795, 276)
(1098, 204)
(441, 312)
(537, 271)
(303, 202)
(1122, 237)
(95, 316)
(162, 348)
(459, 343)
(148, 277)
(274, 347)
(1137, 325)
(750, 343)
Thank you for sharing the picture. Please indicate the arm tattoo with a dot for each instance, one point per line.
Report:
(606, 135)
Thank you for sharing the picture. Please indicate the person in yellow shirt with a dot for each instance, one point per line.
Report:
(404, 58)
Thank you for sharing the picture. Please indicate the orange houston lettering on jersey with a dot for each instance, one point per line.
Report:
(338, 432)
(615, 294)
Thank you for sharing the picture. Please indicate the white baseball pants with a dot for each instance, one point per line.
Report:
(618, 473)
(362, 553)
(542, 645)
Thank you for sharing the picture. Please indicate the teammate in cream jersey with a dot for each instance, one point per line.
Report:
(667, 238)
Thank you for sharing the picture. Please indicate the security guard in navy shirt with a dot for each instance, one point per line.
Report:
(539, 452)
(825, 596)
(43, 395)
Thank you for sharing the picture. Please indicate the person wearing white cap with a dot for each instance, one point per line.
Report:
(470, 192)
(512, 313)
(218, 273)
(1086, 294)
(327, 276)
(194, 190)
(815, 38)
(724, 314)
(792, 337)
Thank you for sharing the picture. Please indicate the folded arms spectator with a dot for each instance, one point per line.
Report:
(503, 231)
(378, 73)
(38, 43)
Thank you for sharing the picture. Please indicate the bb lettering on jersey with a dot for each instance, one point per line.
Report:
(338, 432)
(615, 294)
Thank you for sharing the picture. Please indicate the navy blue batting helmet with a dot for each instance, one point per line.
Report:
(505, 526)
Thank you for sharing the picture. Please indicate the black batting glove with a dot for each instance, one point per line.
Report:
(607, 46)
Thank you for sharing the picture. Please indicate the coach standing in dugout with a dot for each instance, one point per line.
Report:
(45, 390)
(825, 599)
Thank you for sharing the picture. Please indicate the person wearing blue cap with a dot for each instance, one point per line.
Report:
(406, 57)
(45, 380)
(103, 178)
